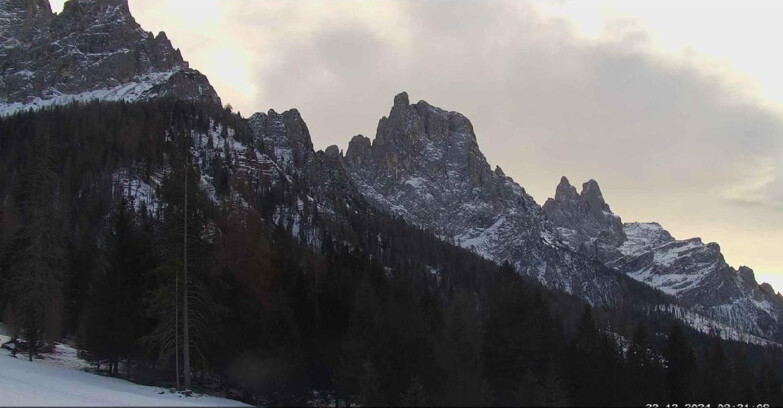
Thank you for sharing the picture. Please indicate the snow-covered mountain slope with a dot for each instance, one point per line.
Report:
(697, 274)
(425, 166)
(93, 50)
(690, 270)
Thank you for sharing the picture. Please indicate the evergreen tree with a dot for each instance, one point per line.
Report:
(370, 394)
(718, 379)
(459, 355)
(594, 365)
(554, 392)
(167, 299)
(115, 315)
(681, 366)
(415, 396)
(360, 342)
(769, 386)
(37, 260)
(643, 369)
(506, 335)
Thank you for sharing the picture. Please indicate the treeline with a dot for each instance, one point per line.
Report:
(378, 313)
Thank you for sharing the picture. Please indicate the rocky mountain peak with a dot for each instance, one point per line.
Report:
(359, 150)
(95, 15)
(423, 138)
(421, 141)
(409, 125)
(102, 26)
(694, 272)
(426, 167)
(333, 151)
(746, 274)
(93, 49)
(284, 140)
(565, 192)
(768, 290)
(594, 199)
(98, 7)
(286, 136)
(584, 220)
(401, 100)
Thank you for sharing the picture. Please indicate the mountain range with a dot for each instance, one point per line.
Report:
(424, 166)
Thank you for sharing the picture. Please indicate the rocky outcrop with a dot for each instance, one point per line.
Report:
(698, 275)
(285, 138)
(94, 49)
(690, 270)
(425, 165)
(584, 221)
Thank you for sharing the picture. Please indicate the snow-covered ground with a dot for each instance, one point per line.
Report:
(56, 380)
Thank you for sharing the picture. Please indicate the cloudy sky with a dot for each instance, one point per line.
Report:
(674, 107)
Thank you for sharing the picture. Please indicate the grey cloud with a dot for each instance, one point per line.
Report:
(529, 85)
(664, 136)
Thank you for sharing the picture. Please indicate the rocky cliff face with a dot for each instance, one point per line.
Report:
(690, 270)
(584, 221)
(697, 274)
(285, 139)
(94, 49)
(425, 166)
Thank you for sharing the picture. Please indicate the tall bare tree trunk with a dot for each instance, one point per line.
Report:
(176, 328)
(31, 342)
(185, 334)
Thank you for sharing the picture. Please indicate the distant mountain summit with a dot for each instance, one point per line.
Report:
(690, 270)
(93, 50)
(425, 166)
(584, 220)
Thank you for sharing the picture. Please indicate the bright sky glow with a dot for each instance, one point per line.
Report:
(739, 38)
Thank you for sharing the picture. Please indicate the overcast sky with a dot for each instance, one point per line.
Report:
(673, 107)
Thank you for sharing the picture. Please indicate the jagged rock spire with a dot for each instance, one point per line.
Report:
(565, 191)
(333, 151)
(401, 100)
(359, 149)
(594, 201)
(422, 137)
(583, 217)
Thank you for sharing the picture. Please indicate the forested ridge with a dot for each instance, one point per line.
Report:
(377, 312)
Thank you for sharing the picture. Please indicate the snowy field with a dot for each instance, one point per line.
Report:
(57, 380)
